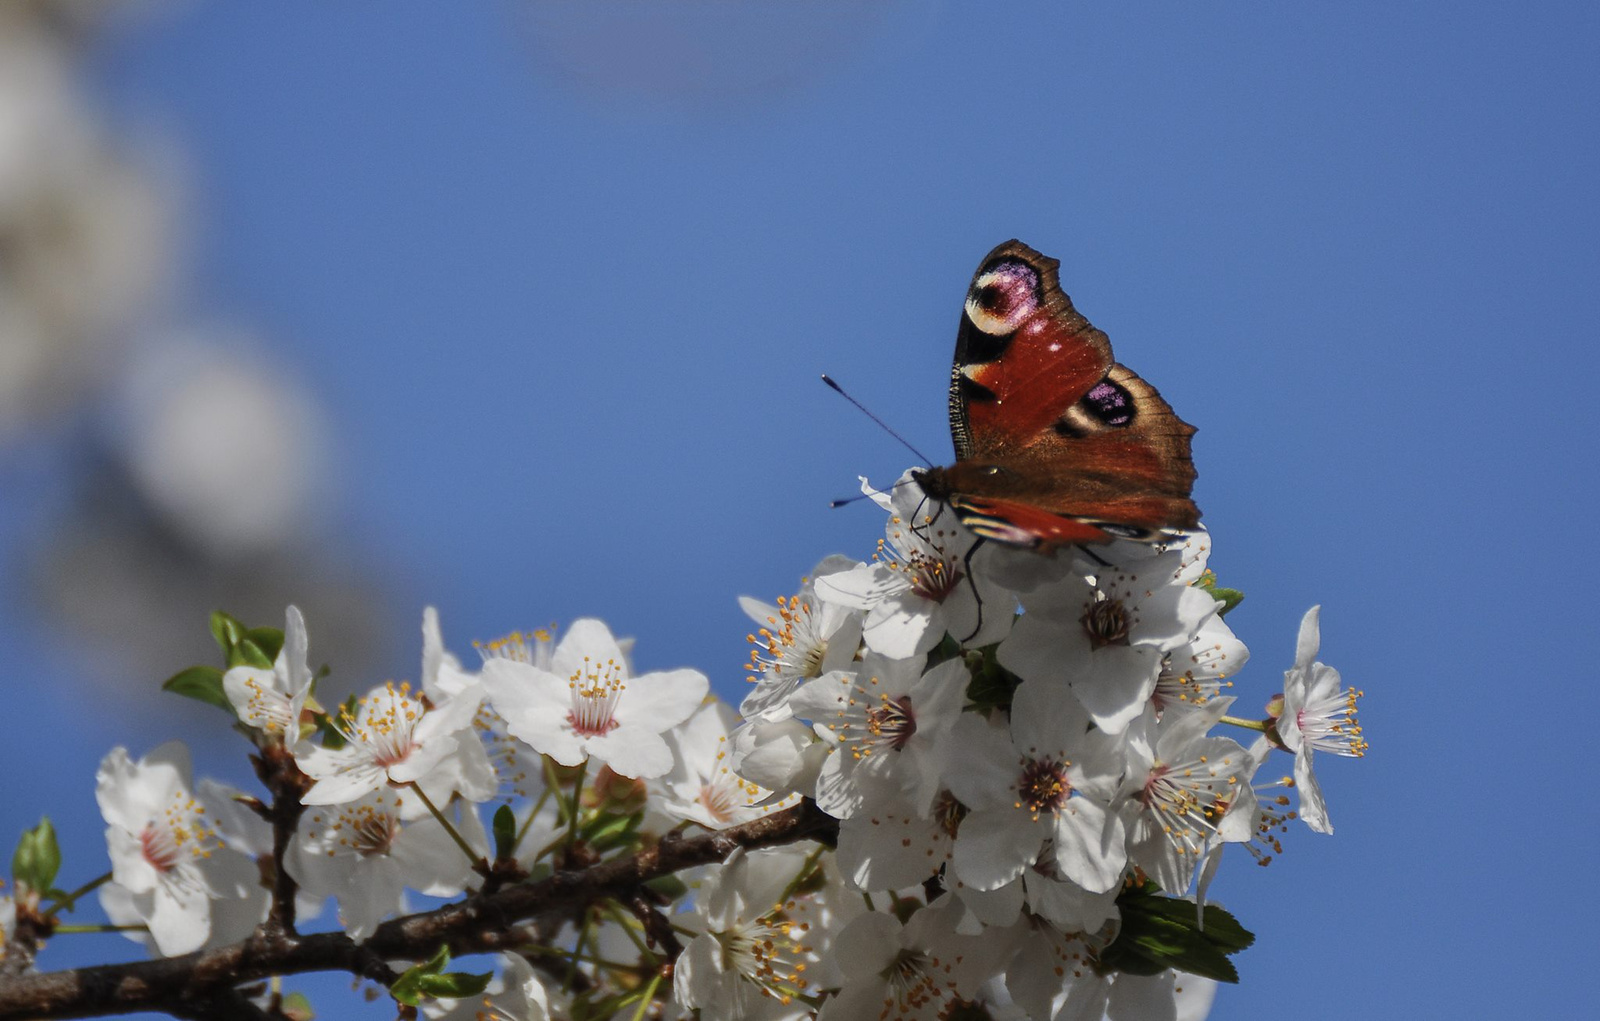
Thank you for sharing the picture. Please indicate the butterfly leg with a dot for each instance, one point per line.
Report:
(966, 567)
(1092, 555)
(920, 528)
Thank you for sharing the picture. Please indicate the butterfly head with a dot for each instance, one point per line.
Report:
(969, 477)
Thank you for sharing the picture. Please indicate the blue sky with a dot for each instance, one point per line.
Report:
(565, 281)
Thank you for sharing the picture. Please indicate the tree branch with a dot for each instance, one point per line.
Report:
(280, 775)
(476, 925)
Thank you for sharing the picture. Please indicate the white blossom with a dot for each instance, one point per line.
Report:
(1104, 636)
(167, 865)
(801, 638)
(919, 585)
(702, 786)
(394, 739)
(1046, 780)
(887, 719)
(750, 959)
(366, 854)
(1316, 715)
(271, 701)
(587, 706)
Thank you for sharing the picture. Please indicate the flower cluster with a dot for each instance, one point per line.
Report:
(1018, 755)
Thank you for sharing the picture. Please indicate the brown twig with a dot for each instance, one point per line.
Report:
(280, 775)
(28, 932)
(475, 925)
(645, 905)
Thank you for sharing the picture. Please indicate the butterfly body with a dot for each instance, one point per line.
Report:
(1056, 443)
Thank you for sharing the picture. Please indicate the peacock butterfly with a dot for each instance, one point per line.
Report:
(1056, 443)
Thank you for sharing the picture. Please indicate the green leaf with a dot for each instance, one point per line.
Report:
(225, 630)
(248, 653)
(1121, 957)
(296, 1007)
(505, 832)
(1186, 953)
(268, 639)
(201, 683)
(992, 685)
(1221, 929)
(948, 648)
(607, 832)
(407, 989)
(670, 887)
(1160, 932)
(332, 739)
(454, 985)
(37, 858)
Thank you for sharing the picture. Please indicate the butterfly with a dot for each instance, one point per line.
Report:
(1056, 443)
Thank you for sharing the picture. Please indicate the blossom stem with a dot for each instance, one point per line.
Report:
(98, 927)
(544, 796)
(800, 876)
(628, 925)
(66, 902)
(648, 997)
(577, 951)
(599, 962)
(466, 848)
(577, 798)
(1260, 725)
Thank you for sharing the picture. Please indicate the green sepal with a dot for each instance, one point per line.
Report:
(201, 683)
(1228, 597)
(37, 858)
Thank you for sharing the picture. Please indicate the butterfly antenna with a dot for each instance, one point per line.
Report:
(875, 492)
(881, 423)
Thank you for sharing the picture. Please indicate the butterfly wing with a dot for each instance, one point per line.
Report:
(1024, 355)
(1055, 442)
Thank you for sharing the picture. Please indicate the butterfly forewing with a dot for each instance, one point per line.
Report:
(1024, 355)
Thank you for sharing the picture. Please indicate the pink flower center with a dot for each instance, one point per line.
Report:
(892, 723)
(596, 690)
(180, 833)
(718, 800)
(158, 847)
(383, 724)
